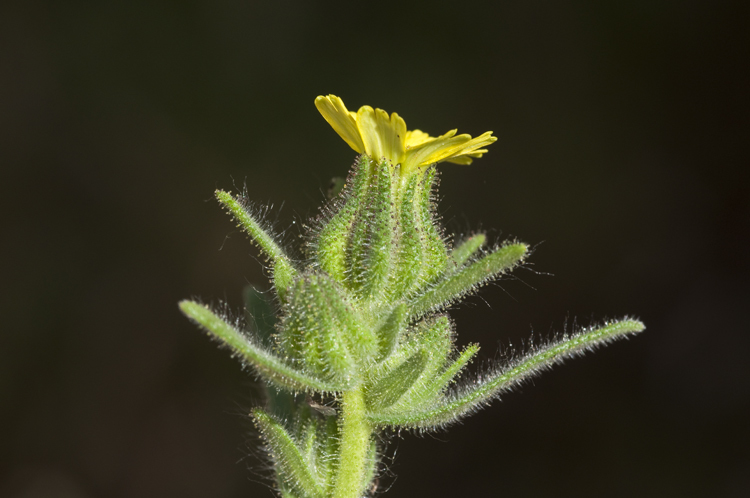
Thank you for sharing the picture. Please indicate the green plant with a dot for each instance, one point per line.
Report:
(362, 342)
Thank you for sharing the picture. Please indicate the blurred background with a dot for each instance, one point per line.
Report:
(622, 158)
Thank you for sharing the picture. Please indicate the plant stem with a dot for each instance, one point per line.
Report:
(355, 443)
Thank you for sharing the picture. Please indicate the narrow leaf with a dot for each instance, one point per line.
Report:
(433, 336)
(283, 268)
(468, 279)
(309, 442)
(266, 363)
(409, 261)
(466, 249)
(472, 397)
(390, 331)
(322, 330)
(454, 369)
(290, 463)
(391, 387)
(335, 355)
(330, 247)
(435, 259)
(434, 339)
(328, 452)
(251, 225)
(360, 339)
(283, 277)
(371, 251)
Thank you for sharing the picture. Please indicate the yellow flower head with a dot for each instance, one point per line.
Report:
(375, 133)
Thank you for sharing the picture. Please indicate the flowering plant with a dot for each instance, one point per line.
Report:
(362, 341)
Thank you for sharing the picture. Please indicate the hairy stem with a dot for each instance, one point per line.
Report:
(355, 435)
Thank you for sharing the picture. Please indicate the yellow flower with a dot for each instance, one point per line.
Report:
(375, 133)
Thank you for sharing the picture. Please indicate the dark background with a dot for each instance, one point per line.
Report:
(623, 129)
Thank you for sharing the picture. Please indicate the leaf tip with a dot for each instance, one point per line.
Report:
(189, 307)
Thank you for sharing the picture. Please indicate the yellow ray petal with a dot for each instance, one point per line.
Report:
(416, 137)
(466, 158)
(456, 149)
(383, 135)
(436, 149)
(462, 160)
(341, 120)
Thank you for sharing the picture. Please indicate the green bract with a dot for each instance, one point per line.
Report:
(362, 326)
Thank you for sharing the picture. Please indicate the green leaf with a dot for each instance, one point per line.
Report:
(392, 328)
(310, 335)
(371, 251)
(284, 275)
(331, 244)
(284, 270)
(328, 451)
(266, 363)
(289, 461)
(322, 330)
(437, 384)
(466, 249)
(434, 338)
(309, 443)
(435, 260)
(477, 394)
(390, 388)
(432, 335)
(468, 279)
(360, 339)
(431, 339)
(409, 261)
